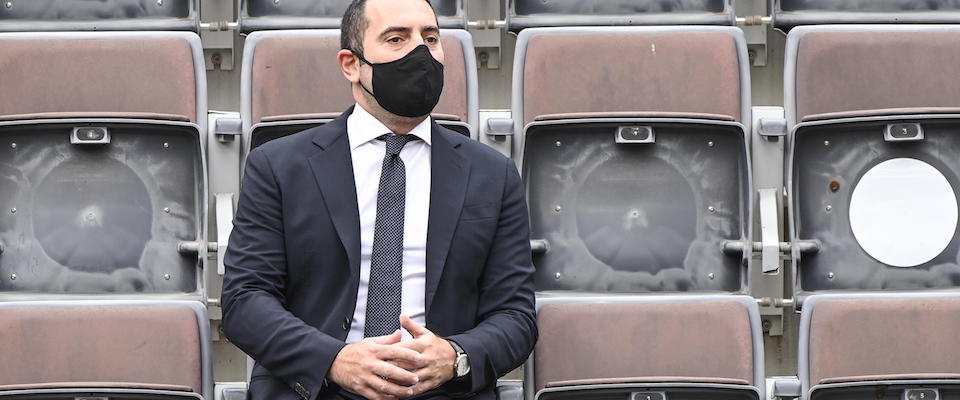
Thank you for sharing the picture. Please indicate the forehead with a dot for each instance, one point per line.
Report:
(382, 14)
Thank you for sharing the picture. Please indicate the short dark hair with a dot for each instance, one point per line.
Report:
(354, 24)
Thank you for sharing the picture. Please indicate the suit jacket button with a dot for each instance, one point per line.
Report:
(346, 324)
(302, 391)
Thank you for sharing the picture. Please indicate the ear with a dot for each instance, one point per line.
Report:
(349, 65)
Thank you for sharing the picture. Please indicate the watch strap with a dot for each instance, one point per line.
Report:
(461, 365)
(456, 347)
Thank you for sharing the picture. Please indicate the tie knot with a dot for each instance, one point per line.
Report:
(395, 143)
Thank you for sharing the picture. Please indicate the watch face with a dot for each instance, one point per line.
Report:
(463, 365)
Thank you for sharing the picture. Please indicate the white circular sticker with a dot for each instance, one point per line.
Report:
(903, 212)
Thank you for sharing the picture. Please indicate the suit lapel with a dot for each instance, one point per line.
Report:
(449, 172)
(333, 170)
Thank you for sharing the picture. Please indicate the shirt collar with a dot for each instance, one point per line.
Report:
(363, 127)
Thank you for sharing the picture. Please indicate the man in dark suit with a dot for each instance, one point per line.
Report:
(380, 255)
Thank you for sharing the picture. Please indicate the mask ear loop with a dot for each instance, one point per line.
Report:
(363, 60)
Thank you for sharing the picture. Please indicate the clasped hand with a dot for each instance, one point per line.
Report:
(384, 368)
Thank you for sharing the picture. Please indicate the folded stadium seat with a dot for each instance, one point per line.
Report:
(648, 347)
(121, 349)
(112, 15)
(103, 187)
(261, 15)
(634, 155)
(637, 166)
(522, 14)
(901, 344)
(873, 113)
(292, 81)
(787, 14)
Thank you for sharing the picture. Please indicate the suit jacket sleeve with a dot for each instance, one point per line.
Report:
(507, 330)
(254, 316)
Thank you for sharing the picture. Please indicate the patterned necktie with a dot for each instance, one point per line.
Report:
(386, 258)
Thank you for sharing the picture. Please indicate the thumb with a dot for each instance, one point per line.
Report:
(416, 330)
(392, 338)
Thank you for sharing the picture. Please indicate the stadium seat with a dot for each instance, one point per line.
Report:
(787, 14)
(257, 15)
(120, 349)
(103, 183)
(291, 81)
(904, 344)
(103, 170)
(113, 15)
(633, 150)
(648, 347)
(881, 109)
(631, 143)
(873, 112)
(522, 14)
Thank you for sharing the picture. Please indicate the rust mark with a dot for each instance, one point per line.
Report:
(834, 186)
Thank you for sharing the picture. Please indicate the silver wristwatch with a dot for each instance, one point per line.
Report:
(461, 366)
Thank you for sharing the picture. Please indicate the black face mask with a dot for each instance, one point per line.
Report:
(410, 86)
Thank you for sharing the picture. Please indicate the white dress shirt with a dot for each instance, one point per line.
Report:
(368, 153)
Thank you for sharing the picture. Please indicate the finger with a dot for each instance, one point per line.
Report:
(395, 373)
(426, 375)
(388, 339)
(399, 353)
(385, 387)
(424, 386)
(406, 365)
(415, 329)
(416, 345)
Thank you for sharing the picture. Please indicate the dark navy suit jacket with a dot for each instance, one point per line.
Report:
(293, 262)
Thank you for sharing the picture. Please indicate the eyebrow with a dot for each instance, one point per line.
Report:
(394, 29)
(404, 29)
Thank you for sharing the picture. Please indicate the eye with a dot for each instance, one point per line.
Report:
(432, 40)
(395, 39)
